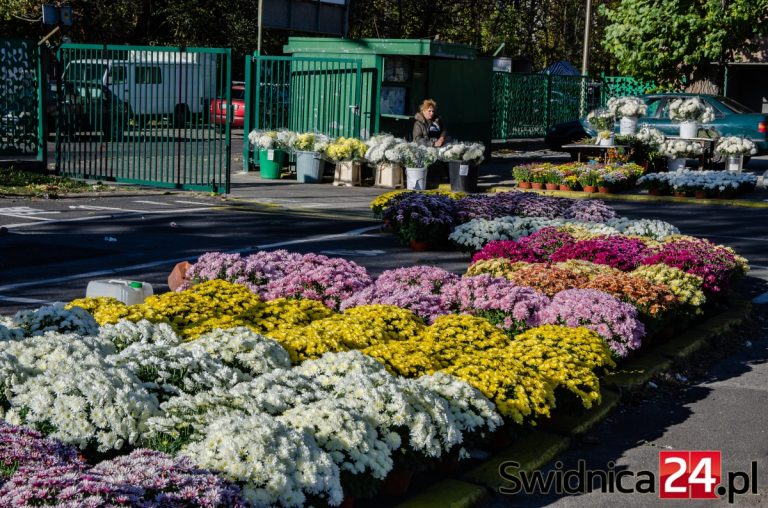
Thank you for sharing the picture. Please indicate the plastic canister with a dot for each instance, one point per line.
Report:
(128, 292)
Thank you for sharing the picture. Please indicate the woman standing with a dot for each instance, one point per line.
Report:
(429, 129)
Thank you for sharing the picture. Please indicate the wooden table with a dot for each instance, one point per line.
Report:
(580, 148)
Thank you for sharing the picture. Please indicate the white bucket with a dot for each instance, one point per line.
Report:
(689, 129)
(627, 125)
(416, 178)
(127, 291)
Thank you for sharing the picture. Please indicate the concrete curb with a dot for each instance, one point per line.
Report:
(543, 446)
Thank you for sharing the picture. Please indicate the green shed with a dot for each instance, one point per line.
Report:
(397, 74)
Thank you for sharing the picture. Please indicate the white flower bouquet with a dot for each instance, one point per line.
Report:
(601, 119)
(384, 148)
(415, 155)
(472, 153)
(266, 140)
(626, 107)
(692, 109)
(681, 148)
(735, 145)
(650, 136)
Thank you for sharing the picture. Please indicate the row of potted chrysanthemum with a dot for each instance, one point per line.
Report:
(592, 177)
(700, 184)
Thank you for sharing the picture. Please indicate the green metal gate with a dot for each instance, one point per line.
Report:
(142, 115)
(303, 94)
(20, 99)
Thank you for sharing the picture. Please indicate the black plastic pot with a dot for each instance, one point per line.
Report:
(463, 176)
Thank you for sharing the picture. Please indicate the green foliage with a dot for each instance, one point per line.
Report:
(667, 40)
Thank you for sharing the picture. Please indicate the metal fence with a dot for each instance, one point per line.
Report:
(304, 95)
(142, 115)
(526, 105)
(20, 99)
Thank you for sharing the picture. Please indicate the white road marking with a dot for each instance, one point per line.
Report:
(195, 203)
(25, 300)
(350, 252)
(30, 217)
(23, 210)
(153, 203)
(152, 264)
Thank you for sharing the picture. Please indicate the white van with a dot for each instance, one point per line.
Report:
(150, 83)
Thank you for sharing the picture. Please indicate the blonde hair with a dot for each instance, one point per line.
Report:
(427, 103)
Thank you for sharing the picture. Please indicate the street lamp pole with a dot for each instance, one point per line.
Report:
(585, 52)
(258, 39)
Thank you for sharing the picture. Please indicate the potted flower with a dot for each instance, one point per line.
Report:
(417, 159)
(522, 176)
(422, 220)
(657, 184)
(463, 159)
(553, 179)
(309, 148)
(735, 148)
(347, 154)
(385, 155)
(588, 179)
(609, 179)
(628, 110)
(272, 150)
(538, 177)
(678, 150)
(602, 120)
(690, 112)
(570, 182)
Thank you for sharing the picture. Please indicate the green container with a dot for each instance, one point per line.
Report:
(271, 162)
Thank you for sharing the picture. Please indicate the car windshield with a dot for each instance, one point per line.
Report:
(238, 94)
(734, 106)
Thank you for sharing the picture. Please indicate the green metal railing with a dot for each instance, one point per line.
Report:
(20, 99)
(142, 115)
(303, 94)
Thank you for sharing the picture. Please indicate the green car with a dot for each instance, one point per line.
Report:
(731, 119)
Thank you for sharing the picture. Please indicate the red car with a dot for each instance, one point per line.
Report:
(218, 109)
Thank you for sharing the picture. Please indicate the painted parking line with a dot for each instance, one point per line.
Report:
(24, 210)
(153, 203)
(195, 203)
(24, 300)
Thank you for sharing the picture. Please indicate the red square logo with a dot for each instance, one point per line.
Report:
(689, 474)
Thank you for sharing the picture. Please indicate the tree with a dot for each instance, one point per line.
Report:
(670, 40)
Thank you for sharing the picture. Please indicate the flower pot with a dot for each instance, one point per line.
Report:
(463, 176)
(676, 164)
(564, 188)
(524, 185)
(389, 175)
(689, 129)
(627, 125)
(419, 246)
(416, 178)
(552, 186)
(537, 185)
(590, 188)
(655, 192)
(347, 173)
(396, 482)
(271, 162)
(309, 167)
(699, 194)
(734, 163)
(604, 190)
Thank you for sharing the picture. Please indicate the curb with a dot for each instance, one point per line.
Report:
(637, 197)
(542, 446)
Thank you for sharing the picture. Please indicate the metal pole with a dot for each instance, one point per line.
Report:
(585, 52)
(258, 43)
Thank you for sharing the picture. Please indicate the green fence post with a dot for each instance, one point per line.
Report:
(247, 115)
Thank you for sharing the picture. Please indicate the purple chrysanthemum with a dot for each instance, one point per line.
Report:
(590, 210)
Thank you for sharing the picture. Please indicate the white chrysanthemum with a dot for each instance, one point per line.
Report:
(470, 408)
(656, 229)
(172, 368)
(244, 349)
(55, 318)
(630, 107)
(473, 235)
(735, 145)
(39, 353)
(275, 463)
(85, 404)
(10, 332)
(126, 332)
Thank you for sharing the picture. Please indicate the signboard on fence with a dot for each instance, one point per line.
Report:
(323, 16)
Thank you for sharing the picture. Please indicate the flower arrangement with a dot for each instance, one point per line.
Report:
(680, 148)
(590, 210)
(650, 136)
(422, 217)
(263, 139)
(735, 145)
(725, 182)
(383, 201)
(601, 120)
(472, 153)
(692, 109)
(522, 173)
(614, 321)
(627, 107)
(311, 142)
(383, 148)
(615, 251)
(589, 178)
(414, 155)
(346, 149)
(507, 249)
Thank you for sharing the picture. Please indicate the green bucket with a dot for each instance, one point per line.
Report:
(271, 162)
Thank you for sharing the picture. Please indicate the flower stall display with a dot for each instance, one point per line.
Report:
(602, 121)
(735, 148)
(463, 159)
(385, 155)
(347, 154)
(309, 148)
(690, 112)
(678, 150)
(272, 150)
(627, 110)
(722, 184)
